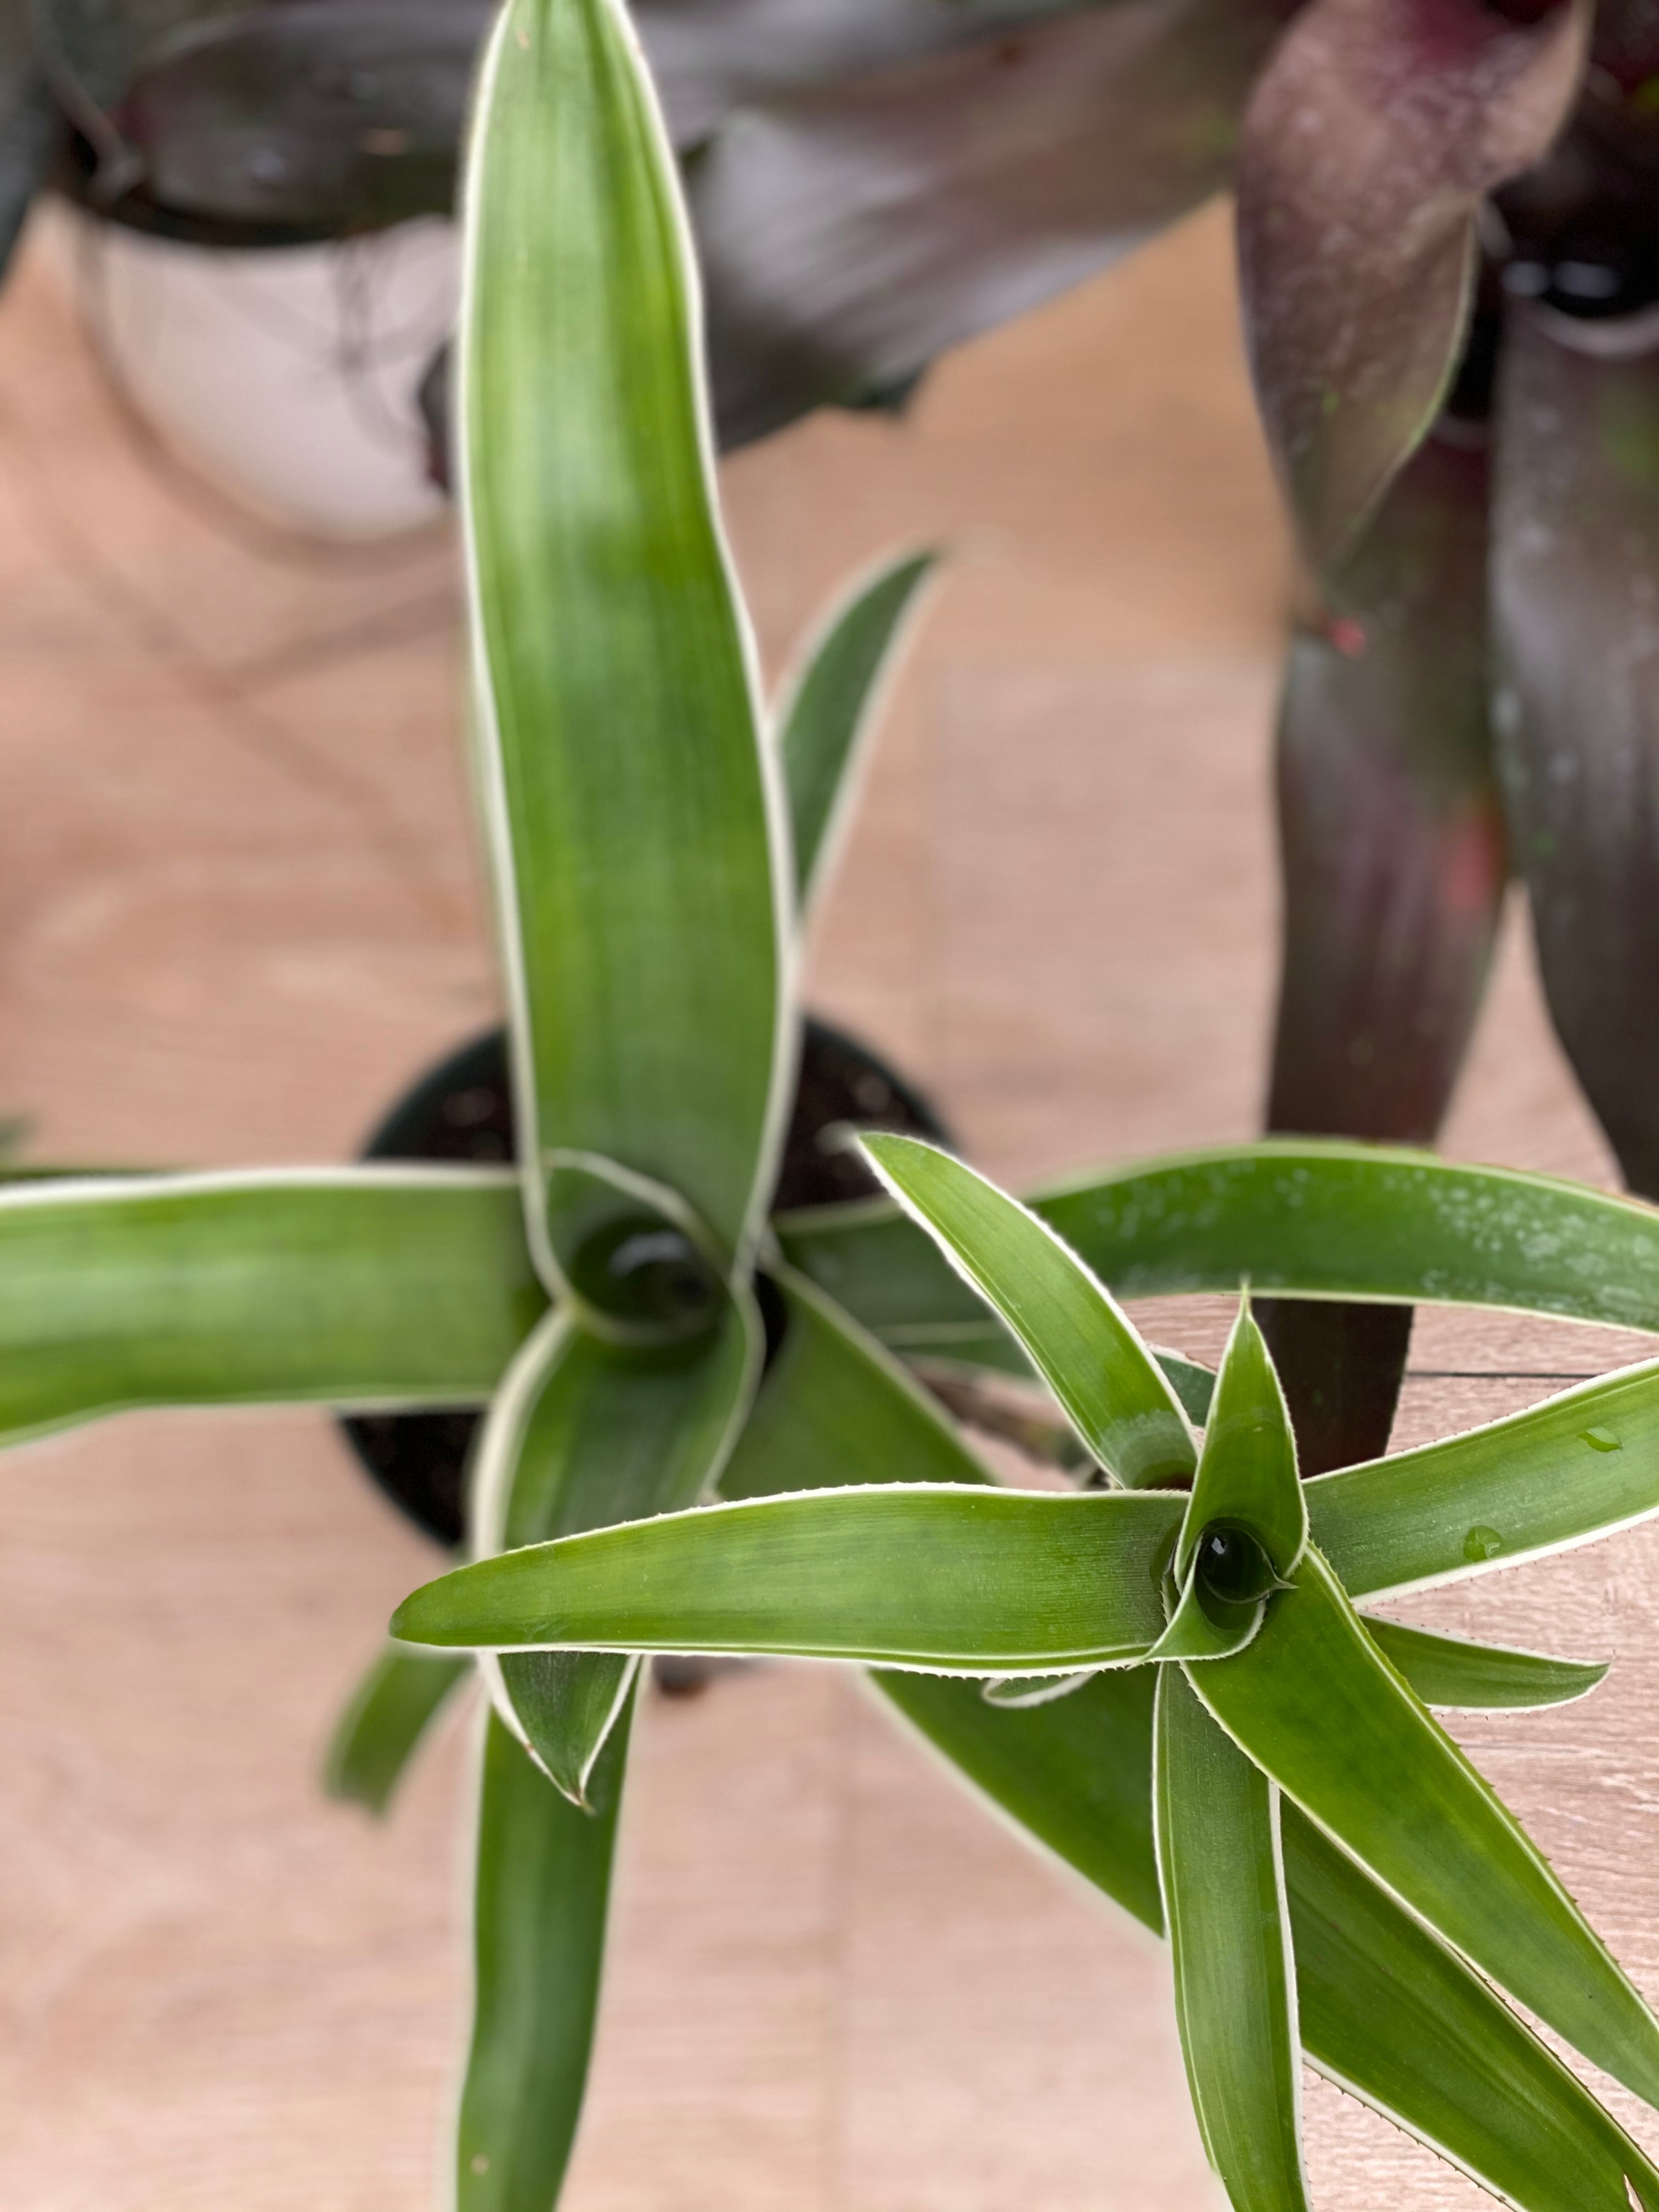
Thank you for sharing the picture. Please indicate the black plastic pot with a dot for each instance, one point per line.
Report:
(462, 1109)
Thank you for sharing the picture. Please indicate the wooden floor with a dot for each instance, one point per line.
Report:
(239, 906)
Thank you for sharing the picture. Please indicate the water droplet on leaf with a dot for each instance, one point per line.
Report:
(643, 1271)
(1232, 1564)
(1602, 1440)
(1482, 1542)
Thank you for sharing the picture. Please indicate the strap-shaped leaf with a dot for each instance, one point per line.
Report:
(834, 1408)
(542, 1884)
(1303, 1217)
(351, 1286)
(1398, 2020)
(974, 1580)
(1574, 562)
(1484, 1678)
(1578, 1466)
(1112, 1390)
(1217, 1825)
(1320, 1710)
(1075, 1774)
(1247, 1474)
(831, 706)
(1376, 130)
(582, 1434)
(395, 1287)
(388, 1713)
(1192, 1382)
(1204, 1627)
(1393, 866)
(635, 826)
(1386, 2009)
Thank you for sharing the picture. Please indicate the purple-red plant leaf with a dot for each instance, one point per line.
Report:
(850, 228)
(1392, 855)
(1375, 131)
(1576, 600)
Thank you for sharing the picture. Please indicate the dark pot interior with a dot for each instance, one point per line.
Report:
(463, 1110)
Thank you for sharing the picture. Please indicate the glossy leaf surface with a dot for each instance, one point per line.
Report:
(1217, 1825)
(626, 786)
(967, 1580)
(1076, 1773)
(311, 116)
(1206, 1627)
(1398, 2020)
(1576, 565)
(1303, 1218)
(542, 1885)
(364, 1286)
(1247, 1474)
(1113, 1391)
(1458, 1675)
(1578, 1465)
(583, 1434)
(1393, 863)
(1386, 2010)
(832, 704)
(390, 1711)
(1375, 131)
(1316, 1706)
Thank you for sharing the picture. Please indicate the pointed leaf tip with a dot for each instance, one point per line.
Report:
(1247, 1485)
(1112, 1389)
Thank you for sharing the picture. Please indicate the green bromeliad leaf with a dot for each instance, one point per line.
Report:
(1020, 1691)
(583, 1433)
(542, 1884)
(392, 1286)
(1578, 1466)
(631, 801)
(1075, 1774)
(1112, 1389)
(1247, 1475)
(832, 707)
(1484, 1678)
(1317, 1706)
(835, 1408)
(1246, 1520)
(371, 1286)
(1397, 2018)
(1306, 1219)
(389, 1712)
(1205, 1626)
(1217, 1826)
(967, 1580)
(1386, 2009)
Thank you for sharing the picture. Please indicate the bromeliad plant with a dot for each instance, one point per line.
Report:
(652, 844)
(1449, 231)
(1329, 1866)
